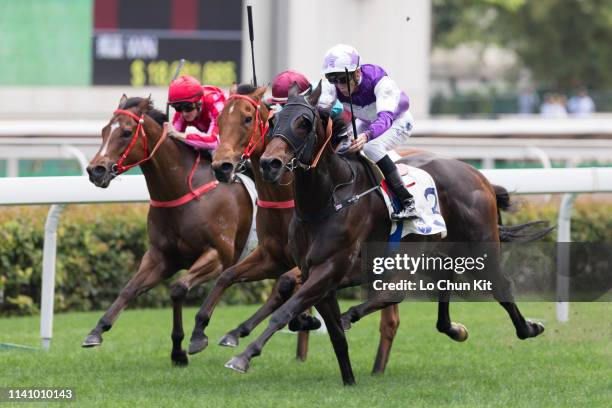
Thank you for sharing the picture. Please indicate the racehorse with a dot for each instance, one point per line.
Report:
(243, 124)
(193, 222)
(326, 243)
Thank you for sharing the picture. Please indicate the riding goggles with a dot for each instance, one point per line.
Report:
(337, 78)
(185, 106)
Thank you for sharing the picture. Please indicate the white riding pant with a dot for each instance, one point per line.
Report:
(396, 135)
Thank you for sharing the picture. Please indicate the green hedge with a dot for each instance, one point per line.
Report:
(100, 246)
(99, 249)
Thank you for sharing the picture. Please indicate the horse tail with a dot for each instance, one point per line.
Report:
(531, 231)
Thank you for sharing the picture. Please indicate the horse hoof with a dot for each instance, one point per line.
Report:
(346, 323)
(535, 328)
(197, 344)
(240, 364)
(92, 340)
(458, 332)
(229, 340)
(304, 322)
(179, 358)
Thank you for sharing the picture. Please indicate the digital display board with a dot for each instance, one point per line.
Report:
(140, 42)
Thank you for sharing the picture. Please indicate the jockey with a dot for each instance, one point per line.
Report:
(197, 108)
(381, 112)
(280, 90)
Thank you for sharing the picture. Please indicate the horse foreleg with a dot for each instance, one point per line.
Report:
(256, 266)
(152, 270)
(283, 289)
(320, 280)
(205, 268)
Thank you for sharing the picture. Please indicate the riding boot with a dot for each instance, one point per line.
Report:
(396, 184)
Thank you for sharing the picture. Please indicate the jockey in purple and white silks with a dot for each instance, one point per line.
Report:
(381, 112)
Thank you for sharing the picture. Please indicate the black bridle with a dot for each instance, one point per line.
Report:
(301, 147)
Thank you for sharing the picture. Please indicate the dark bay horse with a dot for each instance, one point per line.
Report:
(193, 223)
(326, 243)
(242, 125)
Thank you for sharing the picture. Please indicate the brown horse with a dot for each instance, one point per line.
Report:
(187, 230)
(242, 126)
(326, 243)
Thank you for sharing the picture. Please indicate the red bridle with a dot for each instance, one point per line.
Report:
(259, 124)
(252, 144)
(119, 167)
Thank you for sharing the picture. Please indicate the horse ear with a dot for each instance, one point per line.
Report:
(260, 92)
(122, 101)
(294, 89)
(233, 89)
(314, 96)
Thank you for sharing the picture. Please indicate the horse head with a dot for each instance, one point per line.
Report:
(296, 137)
(125, 142)
(243, 123)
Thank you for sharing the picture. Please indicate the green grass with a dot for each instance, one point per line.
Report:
(569, 365)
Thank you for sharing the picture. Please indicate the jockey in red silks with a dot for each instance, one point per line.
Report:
(197, 108)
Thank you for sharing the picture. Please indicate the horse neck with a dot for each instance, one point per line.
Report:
(167, 172)
(314, 188)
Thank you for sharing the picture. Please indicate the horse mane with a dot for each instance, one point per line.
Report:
(339, 125)
(157, 115)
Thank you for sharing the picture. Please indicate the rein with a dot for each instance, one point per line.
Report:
(192, 194)
(119, 167)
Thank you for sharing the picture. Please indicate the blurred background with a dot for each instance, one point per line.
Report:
(516, 69)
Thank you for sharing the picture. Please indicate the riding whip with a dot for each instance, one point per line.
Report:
(252, 38)
(176, 74)
(348, 85)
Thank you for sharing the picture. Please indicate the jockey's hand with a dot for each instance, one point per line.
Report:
(172, 132)
(358, 143)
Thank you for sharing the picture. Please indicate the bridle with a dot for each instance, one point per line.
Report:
(260, 125)
(299, 145)
(119, 167)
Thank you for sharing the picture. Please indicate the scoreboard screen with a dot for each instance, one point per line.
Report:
(140, 42)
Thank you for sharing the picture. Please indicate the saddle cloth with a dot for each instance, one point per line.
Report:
(423, 189)
(252, 240)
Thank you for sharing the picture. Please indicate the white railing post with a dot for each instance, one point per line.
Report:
(12, 167)
(564, 228)
(48, 275)
(50, 257)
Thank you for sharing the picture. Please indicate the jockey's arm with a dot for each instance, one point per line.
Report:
(202, 140)
(387, 99)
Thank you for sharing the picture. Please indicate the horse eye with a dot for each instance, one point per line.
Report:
(305, 123)
(248, 120)
(126, 133)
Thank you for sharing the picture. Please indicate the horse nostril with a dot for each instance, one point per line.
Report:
(275, 164)
(226, 167)
(98, 171)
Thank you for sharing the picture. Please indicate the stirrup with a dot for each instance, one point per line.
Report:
(408, 212)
